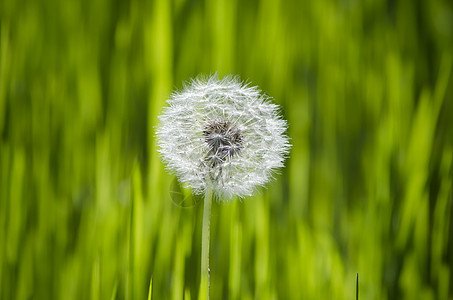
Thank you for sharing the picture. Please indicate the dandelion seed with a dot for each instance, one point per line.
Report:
(222, 135)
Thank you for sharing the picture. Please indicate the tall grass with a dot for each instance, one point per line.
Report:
(88, 212)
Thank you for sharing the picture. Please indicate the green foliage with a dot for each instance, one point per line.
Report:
(88, 212)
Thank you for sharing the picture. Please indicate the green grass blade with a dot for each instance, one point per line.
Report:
(150, 290)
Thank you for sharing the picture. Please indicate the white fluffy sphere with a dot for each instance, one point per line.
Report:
(222, 135)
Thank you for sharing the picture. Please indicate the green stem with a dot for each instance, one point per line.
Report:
(205, 244)
(357, 288)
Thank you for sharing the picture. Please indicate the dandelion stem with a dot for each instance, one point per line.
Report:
(205, 245)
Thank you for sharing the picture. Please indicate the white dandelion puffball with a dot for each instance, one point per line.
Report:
(223, 135)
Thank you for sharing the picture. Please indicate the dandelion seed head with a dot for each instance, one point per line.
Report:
(223, 135)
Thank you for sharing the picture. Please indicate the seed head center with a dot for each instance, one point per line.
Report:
(224, 140)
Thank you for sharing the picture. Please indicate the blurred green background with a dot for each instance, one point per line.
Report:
(88, 212)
